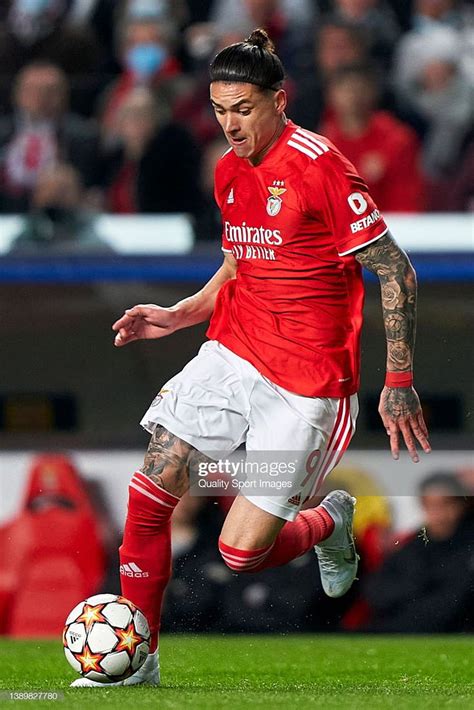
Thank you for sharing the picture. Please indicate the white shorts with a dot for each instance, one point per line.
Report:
(219, 401)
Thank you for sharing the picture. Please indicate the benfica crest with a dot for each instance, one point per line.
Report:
(274, 202)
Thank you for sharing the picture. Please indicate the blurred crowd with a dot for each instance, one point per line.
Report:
(421, 580)
(110, 97)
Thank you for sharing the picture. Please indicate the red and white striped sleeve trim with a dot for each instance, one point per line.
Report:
(307, 143)
(364, 244)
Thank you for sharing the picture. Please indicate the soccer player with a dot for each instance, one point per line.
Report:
(280, 370)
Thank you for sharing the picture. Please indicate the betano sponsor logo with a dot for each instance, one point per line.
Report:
(365, 222)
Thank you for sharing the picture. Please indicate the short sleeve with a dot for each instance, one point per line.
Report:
(336, 195)
(219, 196)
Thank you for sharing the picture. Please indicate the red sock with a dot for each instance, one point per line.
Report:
(294, 539)
(145, 554)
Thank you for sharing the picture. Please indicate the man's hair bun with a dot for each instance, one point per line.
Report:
(252, 61)
(259, 38)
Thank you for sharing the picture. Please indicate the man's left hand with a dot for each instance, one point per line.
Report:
(400, 411)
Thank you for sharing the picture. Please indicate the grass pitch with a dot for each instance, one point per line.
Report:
(344, 672)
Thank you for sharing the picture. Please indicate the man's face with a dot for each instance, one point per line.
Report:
(352, 96)
(433, 8)
(250, 118)
(443, 512)
(40, 93)
(337, 47)
(141, 33)
(355, 8)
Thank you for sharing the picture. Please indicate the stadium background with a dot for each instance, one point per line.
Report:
(128, 217)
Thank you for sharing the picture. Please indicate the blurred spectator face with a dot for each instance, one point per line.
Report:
(437, 75)
(261, 11)
(353, 95)
(58, 187)
(137, 121)
(443, 512)
(355, 9)
(40, 92)
(433, 8)
(337, 47)
(144, 48)
(466, 476)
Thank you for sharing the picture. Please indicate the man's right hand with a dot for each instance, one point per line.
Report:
(150, 321)
(145, 322)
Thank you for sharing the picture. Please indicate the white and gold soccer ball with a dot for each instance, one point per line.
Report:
(106, 638)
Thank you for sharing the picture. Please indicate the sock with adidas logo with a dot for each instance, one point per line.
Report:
(145, 554)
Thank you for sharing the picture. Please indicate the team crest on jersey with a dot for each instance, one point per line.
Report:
(274, 202)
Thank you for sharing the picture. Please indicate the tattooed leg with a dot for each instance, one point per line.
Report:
(169, 461)
(145, 555)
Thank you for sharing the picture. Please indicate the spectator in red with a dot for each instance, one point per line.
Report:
(41, 133)
(155, 167)
(145, 52)
(336, 44)
(385, 151)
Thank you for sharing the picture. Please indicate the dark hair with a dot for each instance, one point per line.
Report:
(446, 480)
(252, 61)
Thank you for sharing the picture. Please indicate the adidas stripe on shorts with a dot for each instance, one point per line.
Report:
(220, 401)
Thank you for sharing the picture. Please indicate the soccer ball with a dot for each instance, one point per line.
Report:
(106, 638)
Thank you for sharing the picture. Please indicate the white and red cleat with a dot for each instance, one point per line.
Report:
(337, 556)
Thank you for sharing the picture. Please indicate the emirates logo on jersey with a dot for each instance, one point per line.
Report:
(274, 202)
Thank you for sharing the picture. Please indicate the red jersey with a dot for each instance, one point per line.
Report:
(294, 310)
(387, 155)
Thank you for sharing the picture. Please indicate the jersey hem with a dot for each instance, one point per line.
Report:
(329, 391)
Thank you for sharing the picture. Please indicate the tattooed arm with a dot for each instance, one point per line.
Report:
(399, 406)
